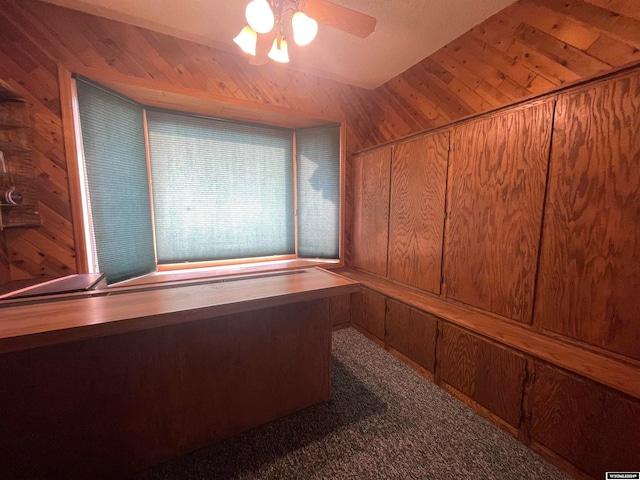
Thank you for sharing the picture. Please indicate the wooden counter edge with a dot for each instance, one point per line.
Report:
(606, 370)
(74, 333)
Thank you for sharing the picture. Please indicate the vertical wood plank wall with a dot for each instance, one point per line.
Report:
(527, 48)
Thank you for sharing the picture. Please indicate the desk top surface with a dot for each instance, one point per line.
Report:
(112, 311)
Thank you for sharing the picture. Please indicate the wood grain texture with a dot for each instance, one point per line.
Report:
(590, 426)
(601, 368)
(496, 188)
(481, 410)
(526, 49)
(107, 407)
(340, 310)
(416, 216)
(368, 312)
(5, 274)
(590, 259)
(411, 333)
(36, 37)
(487, 373)
(372, 173)
(30, 323)
(17, 161)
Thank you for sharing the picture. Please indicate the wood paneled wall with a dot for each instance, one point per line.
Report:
(526, 49)
(36, 37)
(5, 273)
(371, 178)
(529, 48)
(540, 259)
(496, 188)
(416, 217)
(590, 263)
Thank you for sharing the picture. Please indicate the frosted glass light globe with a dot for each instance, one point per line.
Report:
(260, 16)
(247, 40)
(279, 54)
(305, 28)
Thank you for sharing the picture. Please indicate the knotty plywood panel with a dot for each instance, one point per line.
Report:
(590, 260)
(497, 176)
(608, 370)
(416, 223)
(487, 373)
(371, 210)
(412, 333)
(594, 428)
(367, 311)
(458, 358)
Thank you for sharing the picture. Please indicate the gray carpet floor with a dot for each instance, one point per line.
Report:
(384, 421)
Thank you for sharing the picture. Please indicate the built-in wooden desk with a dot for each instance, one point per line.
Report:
(99, 385)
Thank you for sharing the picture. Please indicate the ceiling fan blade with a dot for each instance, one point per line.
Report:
(342, 18)
(262, 50)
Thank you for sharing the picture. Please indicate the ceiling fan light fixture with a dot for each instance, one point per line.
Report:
(305, 28)
(279, 51)
(247, 40)
(260, 16)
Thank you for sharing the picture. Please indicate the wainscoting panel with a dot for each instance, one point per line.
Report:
(590, 255)
(497, 178)
(371, 180)
(416, 217)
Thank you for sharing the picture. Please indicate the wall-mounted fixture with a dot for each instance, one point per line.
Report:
(9, 196)
(18, 186)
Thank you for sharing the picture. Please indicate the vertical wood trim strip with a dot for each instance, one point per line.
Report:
(147, 152)
(445, 219)
(295, 193)
(71, 134)
(536, 324)
(342, 255)
(392, 154)
(437, 353)
(524, 434)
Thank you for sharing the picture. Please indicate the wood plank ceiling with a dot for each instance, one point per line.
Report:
(529, 48)
(526, 49)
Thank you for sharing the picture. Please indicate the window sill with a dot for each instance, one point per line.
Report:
(226, 270)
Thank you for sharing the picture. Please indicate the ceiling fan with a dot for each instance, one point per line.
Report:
(272, 22)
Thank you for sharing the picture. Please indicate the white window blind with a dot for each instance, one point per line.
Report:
(221, 190)
(117, 181)
(318, 172)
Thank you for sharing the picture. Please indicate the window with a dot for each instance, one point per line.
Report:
(166, 187)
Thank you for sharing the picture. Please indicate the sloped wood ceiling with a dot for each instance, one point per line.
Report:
(529, 48)
(526, 49)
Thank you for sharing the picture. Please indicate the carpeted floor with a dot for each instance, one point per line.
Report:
(384, 422)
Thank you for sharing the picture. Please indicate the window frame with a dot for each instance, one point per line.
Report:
(153, 94)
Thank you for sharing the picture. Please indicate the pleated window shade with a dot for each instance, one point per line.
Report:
(117, 181)
(318, 172)
(221, 190)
